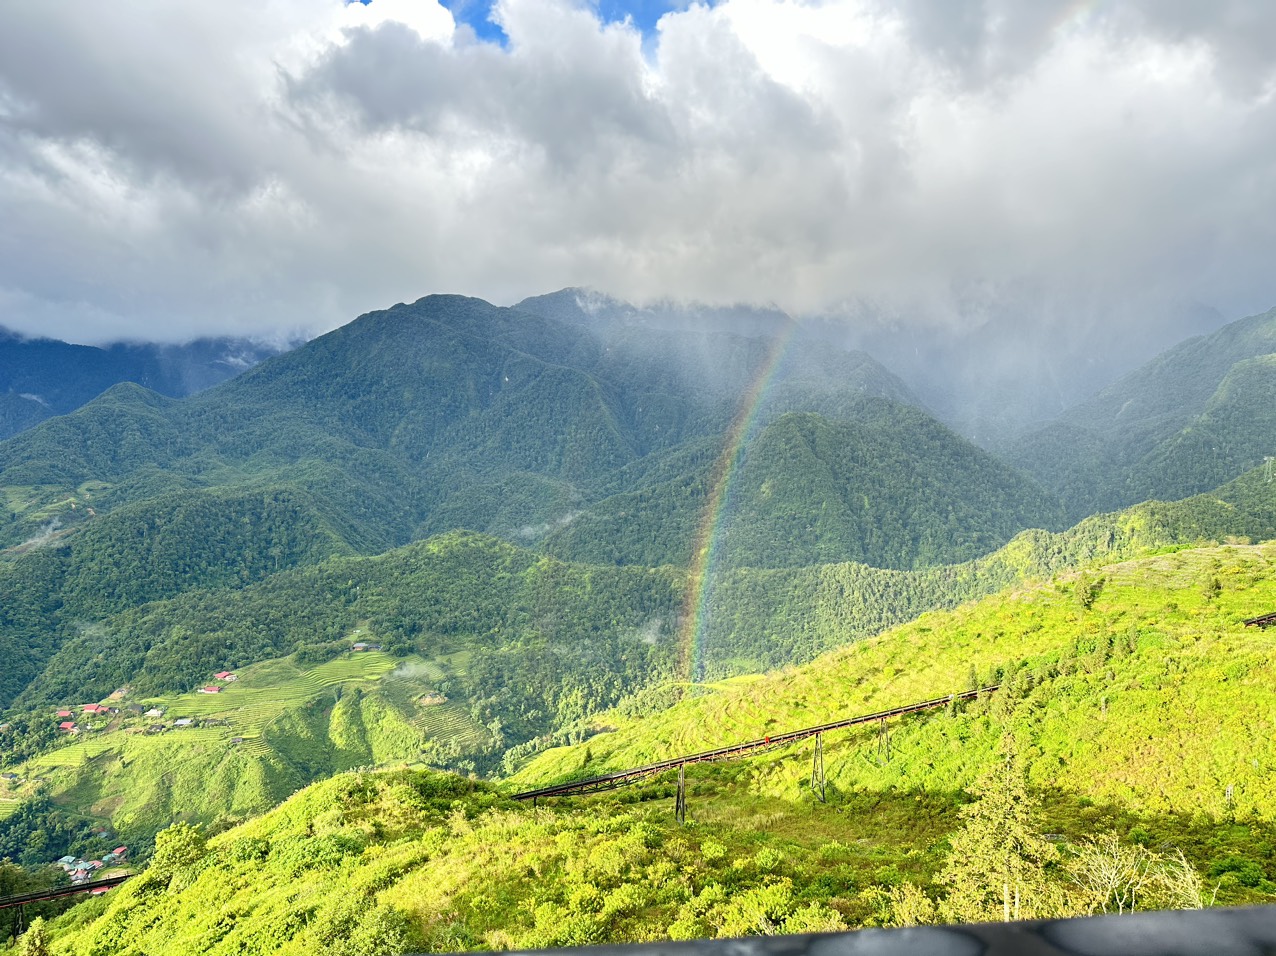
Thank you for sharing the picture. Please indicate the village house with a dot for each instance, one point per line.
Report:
(95, 709)
(68, 726)
(227, 676)
(64, 713)
(154, 712)
(209, 690)
(184, 722)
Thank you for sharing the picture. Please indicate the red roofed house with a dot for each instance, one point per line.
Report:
(67, 725)
(227, 676)
(96, 709)
(64, 713)
(210, 690)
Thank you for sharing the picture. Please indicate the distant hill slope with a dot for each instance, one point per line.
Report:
(886, 486)
(40, 378)
(1194, 416)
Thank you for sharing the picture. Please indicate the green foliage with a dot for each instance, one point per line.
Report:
(38, 831)
(35, 941)
(997, 866)
(1091, 692)
(178, 849)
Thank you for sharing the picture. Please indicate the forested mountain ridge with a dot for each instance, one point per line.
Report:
(886, 486)
(452, 413)
(40, 378)
(1190, 418)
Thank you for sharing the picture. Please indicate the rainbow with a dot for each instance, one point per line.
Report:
(1074, 16)
(705, 548)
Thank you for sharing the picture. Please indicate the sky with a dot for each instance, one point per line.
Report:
(1057, 170)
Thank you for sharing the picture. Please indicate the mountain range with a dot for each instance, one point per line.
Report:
(538, 515)
(40, 378)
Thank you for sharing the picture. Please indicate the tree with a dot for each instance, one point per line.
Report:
(910, 906)
(35, 941)
(998, 857)
(177, 849)
(1115, 877)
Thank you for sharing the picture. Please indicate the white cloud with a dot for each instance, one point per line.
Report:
(244, 166)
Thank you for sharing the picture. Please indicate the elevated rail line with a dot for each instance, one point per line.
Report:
(623, 778)
(57, 892)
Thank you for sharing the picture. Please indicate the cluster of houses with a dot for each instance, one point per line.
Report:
(226, 677)
(71, 726)
(360, 646)
(82, 870)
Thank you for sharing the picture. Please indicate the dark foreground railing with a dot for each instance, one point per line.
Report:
(1249, 931)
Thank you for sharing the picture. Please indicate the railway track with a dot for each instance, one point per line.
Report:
(623, 778)
(58, 892)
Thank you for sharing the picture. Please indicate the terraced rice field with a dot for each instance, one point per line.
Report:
(446, 723)
(7, 806)
(450, 723)
(75, 755)
(265, 691)
(262, 693)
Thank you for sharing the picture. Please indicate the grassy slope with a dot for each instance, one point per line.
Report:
(297, 725)
(401, 861)
(1121, 692)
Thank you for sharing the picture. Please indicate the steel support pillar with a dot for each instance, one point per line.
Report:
(680, 801)
(817, 768)
(883, 742)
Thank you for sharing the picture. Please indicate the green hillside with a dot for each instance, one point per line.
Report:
(1110, 673)
(1107, 678)
(1184, 422)
(507, 654)
(177, 542)
(549, 641)
(280, 726)
(516, 609)
(887, 486)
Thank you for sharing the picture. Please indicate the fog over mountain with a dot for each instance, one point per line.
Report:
(1082, 183)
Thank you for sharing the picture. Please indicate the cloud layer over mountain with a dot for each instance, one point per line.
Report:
(251, 167)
